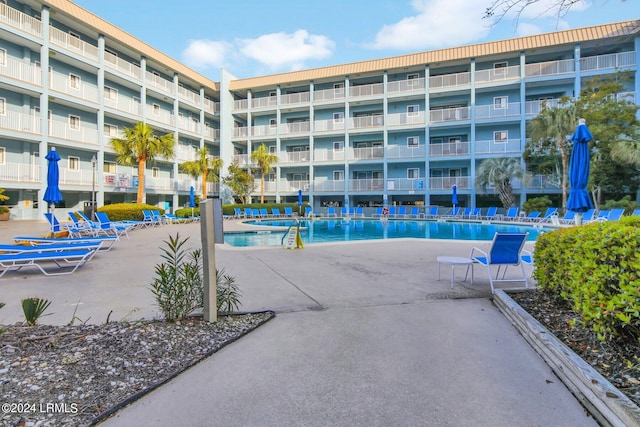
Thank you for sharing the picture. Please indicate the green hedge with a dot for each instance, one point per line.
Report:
(127, 211)
(229, 209)
(596, 269)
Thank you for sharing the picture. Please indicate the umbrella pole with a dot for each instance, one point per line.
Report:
(578, 218)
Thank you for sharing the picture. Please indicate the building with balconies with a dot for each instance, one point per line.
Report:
(400, 130)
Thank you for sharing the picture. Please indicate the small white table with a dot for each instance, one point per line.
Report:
(453, 261)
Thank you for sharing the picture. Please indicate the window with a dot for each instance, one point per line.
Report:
(413, 141)
(413, 173)
(338, 117)
(74, 81)
(272, 149)
(338, 175)
(3, 57)
(413, 110)
(156, 110)
(436, 140)
(109, 167)
(273, 94)
(3, 155)
(413, 79)
(500, 102)
(73, 163)
(111, 130)
(155, 172)
(500, 137)
(338, 88)
(3, 106)
(271, 177)
(338, 146)
(272, 123)
(74, 122)
(455, 140)
(110, 93)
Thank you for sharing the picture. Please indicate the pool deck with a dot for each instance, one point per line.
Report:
(364, 335)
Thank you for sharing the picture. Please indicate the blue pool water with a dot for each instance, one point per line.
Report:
(339, 230)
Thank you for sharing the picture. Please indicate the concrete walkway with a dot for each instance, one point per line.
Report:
(365, 335)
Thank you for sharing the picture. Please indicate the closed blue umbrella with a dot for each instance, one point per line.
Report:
(52, 194)
(192, 197)
(454, 196)
(579, 200)
(300, 202)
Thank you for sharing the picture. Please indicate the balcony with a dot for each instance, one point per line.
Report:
(188, 95)
(295, 127)
(603, 62)
(240, 104)
(241, 159)
(76, 176)
(445, 183)
(328, 155)
(291, 99)
(159, 115)
(189, 125)
(498, 147)
(367, 153)
(124, 104)
(240, 132)
(494, 75)
(211, 133)
(366, 184)
(20, 122)
(406, 119)
(19, 172)
(158, 184)
(533, 108)
(406, 184)
(264, 130)
(292, 186)
(450, 80)
(336, 94)
(18, 70)
(211, 106)
(405, 86)
(125, 67)
(365, 122)
(449, 114)
(159, 83)
(294, 157)
(16, 19)
(328, 185)
(330, 125)
(550, 68)
(361, 91)
(544, 182)
(491, 111)
(73, 44)
(405, 152)
(449, 149)
(264, 102)
(60, 129)
(269, 186)
(63, 83)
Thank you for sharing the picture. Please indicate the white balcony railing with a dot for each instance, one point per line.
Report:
(162, 184)
(19, 172)
(544, 181)
(63, 83)
(450, 80)
(403, 119)
(294, 157)
(328, 125)
(295, 98)
(326, 185)
(445, 183)
(189, 125)
(535, 107)
(366, 122)
(327, 155)
(406, 184)
(20, 20)
(122, 103)
(240, 104)
(292, 186)
(263, 130)
(404, 151)
(406, 86)
(211, 106)
(550, 68)
(158, 82)
(188, 95)
(269, 186)
(21, 71)
(367, 153)
(20, 122)
(603, 62)
(295, 127)
(241, 159)
(159, 115)
(366, 90)
(264, 102)
(498, 147)
(75, 176)
(336, 94)
(497, 74)
(240, 132)
(61, 129)
(367, 184)
(73, 44)
(211, 133)
(512, 109)
(449, 149)
(449, 114)
(125, 67)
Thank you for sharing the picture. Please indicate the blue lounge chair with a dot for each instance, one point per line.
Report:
(402, 212)
(109, 227)
(255, 213)
(107, 241)
(377, 212)
(415, 212)
(275, 212)
(548, 214)
(308, 211)
(454, 212)
(264, 213)
(505, 251)
(67, 259)
(477, 213)
(615, 214)
(288, 211)
(392, 211)
(532, 216)
(588, 215)
(512, 213)
(491, 213)
(433, 212)
(466, 213)
(568, 217)
(636, 212)
(359, 211)
(331, 211)
(173, 219)
(238, 213)
(58, 227)
(248, 213)
(343, 211)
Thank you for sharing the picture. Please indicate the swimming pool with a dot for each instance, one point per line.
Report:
(341, 230)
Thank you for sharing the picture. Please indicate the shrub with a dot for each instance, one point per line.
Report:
(596, 269)
(624, 203)
(537, 204)
(227, 293)
(127, 211)
(33, 308)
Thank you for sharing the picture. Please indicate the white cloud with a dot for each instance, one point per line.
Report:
(438, 23)
(204, 54)
(527, 29)
(286, 50)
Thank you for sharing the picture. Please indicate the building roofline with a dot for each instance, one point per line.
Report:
(449, 54)
(111, 31)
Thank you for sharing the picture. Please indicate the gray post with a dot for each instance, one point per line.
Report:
(207, 235)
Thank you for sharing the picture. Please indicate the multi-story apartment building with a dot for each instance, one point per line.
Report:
(398, 130)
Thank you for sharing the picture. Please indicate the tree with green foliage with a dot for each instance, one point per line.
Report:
(240, 182)
(264, 162)
(498, 173)
(549, 134)
(140, 146)
(206, 166)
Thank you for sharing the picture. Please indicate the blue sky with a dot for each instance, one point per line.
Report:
(256, 37)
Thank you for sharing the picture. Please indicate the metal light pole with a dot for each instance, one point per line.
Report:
(94, 161)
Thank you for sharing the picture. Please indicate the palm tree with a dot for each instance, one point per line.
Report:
(141, 145)
(264, 160)
(206, 166)
(549, 131)
(498, 172)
